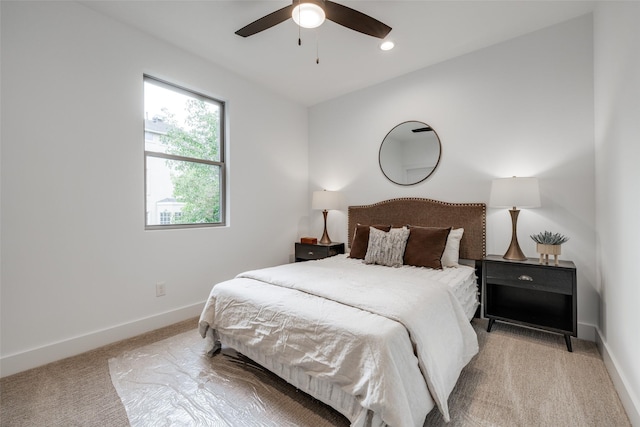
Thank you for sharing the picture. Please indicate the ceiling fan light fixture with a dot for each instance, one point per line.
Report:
(308, 15)
(387, 45)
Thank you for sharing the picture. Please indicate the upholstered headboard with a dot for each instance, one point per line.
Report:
(428, 213)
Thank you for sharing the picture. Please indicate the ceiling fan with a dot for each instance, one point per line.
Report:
(312, 13)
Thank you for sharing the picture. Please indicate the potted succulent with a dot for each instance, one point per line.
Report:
(548, 243)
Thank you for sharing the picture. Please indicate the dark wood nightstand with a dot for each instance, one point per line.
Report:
(528, 293)
(307, 252)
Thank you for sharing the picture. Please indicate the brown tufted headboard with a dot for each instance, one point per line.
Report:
(428, 213)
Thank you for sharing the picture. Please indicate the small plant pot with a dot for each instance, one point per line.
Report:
(546, 250)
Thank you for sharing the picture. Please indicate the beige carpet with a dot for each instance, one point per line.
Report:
(523, 377)
(76, 391)
(175, 383)
(520, 378)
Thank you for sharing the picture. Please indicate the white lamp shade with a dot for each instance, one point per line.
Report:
(329, 200)
(516, 191)
(308, 15)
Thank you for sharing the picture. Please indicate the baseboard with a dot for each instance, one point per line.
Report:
(29, 359)
(586, 332)
(628, 399)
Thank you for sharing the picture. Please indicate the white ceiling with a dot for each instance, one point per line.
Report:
(425, 33)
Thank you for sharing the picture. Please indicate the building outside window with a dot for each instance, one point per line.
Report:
(184, 157)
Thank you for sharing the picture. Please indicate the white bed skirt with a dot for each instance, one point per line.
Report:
(320, 389)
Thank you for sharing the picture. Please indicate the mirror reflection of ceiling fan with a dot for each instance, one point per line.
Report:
(312, 13)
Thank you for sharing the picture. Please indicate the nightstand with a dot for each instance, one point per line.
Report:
(528, 293)
(307, 252)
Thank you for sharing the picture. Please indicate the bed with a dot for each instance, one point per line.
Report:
(381, 345)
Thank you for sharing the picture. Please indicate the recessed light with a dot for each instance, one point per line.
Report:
(387, 45)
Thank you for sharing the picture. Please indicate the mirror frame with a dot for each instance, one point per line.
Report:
(434, 167)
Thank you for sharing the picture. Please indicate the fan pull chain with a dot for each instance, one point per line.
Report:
(317, 48)
(299, 37)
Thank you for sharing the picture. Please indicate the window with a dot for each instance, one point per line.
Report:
(184, 157)
(165, 218)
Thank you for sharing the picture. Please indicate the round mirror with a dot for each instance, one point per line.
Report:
(409, 153)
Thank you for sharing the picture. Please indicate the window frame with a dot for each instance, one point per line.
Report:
(220, 163)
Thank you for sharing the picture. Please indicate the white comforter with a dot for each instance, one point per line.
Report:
(392, 316)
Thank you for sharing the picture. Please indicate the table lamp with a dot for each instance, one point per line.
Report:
(325, 200)
(514, 192)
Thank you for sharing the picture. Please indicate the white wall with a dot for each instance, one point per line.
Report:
(617, 131)
(77, 273)
(523, 107)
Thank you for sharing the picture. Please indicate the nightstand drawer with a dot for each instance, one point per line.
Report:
(305, 251)
(308, 252)
(549, 279)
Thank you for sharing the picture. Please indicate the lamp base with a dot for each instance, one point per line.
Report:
(325, 240)
(514, 252)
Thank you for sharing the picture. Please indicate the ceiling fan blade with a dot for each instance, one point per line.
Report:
(355, 20)
(266, 22)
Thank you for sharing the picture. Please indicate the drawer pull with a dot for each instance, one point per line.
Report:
(525, 277)
(310, 253)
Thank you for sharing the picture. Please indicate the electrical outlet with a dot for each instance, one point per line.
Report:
(161, 289)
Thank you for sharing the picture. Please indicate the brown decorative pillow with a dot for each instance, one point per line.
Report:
(361, 240)
(425, 246)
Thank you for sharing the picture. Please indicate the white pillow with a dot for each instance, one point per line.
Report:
(386, 248)
(451, 252)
